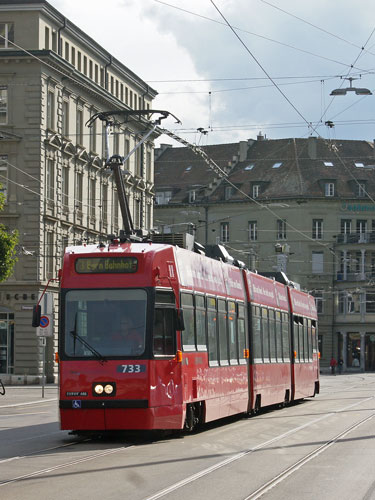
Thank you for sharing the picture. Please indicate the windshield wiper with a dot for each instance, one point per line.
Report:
(84, 342)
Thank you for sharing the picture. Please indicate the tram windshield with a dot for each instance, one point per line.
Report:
(105, 323)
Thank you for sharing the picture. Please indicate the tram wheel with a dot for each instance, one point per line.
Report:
(193, 416)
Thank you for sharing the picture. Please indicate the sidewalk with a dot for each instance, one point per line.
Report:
(18, 395)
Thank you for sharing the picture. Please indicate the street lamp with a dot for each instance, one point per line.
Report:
(357, 90)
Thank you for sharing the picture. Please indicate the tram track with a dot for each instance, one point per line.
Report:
(70, 463)
(304, 460)
(284, 474)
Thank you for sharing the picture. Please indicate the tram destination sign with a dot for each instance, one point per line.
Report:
(106, 265)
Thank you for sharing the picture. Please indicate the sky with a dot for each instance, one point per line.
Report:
(237, 68)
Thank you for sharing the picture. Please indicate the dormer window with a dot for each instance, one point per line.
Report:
(361, 190)
(163, 197)
(359, 164)
(228, 192)
(329, 189)
(277, 164)
(328, 164)
(192, 196)
(249, 167)
(256, 190)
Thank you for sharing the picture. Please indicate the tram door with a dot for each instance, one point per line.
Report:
(6, 342)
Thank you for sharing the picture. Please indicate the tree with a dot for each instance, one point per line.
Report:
(8, 242)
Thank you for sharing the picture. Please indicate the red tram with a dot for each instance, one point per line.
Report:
(212, 339)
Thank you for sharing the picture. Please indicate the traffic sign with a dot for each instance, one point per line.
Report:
(46, 326)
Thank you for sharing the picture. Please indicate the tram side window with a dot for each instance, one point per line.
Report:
(306, 340)
(164, 332)
(211, 331)
(300, 335)
(241, 333)
(200, 322)
(256, 330)
(279, 341)
(232, 333)
(314, 336)
(295, 336)
(188, 335)
(272, 334)
(223, 332)
(265, 336)
(309, 334)
(285, 334)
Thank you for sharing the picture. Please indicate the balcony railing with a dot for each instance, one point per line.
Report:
(368, 237)
(352, 276)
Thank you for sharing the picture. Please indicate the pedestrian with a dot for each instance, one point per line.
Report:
(333, 364)
(341, 362)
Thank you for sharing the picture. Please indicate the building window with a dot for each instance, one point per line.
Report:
(49, 254)
(66, 51)
(253, 230)
(79, 61)
(6, 35)
(91, 69)
(79, 192)
(192, 196)
(256, 190)
(84, 65)
(79, 126)
(50, 180)
(105, 205)
(96, 73)
(116, 140)
(137, 159)
(228, 192)
(346, 226)
(73, 59)
(163, 197)
(329, 189)
(224, 232)
(149, 166)
(281, 229)
(93, 136)
(3, 105)
(137, 213)
(46, 38)
(126, 152)
(317, 262)
(92, 198)
(361, 226)
(65, 119)
(370, 302)
(65, 187)
(318, 296)
(361, 193)
(130, 98)
(4, 176)
(51, 110)
(317, 229)
(115, 208)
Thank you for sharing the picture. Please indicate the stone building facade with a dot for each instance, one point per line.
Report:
(53, 78)
(302, 206)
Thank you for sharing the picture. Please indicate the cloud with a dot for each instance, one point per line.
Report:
(159, 42)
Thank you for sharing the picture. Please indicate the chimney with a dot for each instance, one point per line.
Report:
(312, 147)
(242, 150)
(260, 137)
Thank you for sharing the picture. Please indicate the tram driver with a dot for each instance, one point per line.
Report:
(128, 337)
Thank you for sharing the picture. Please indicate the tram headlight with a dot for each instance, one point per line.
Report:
(108, 389)
(98, 389)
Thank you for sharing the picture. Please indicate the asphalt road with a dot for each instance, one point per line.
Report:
(323, 448)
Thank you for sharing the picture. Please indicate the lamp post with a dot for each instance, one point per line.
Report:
(357, 90)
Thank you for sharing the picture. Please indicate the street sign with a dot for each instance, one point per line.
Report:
(46, 326)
